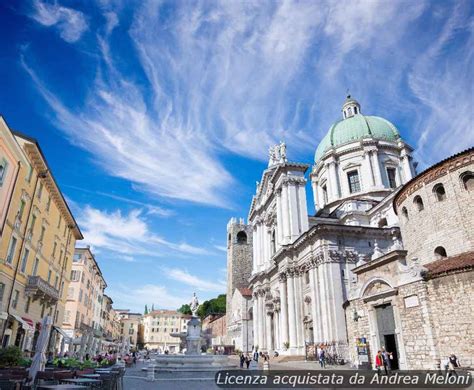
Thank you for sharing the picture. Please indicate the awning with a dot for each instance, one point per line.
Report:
(25, 325)
(30, 322)
(62, 332)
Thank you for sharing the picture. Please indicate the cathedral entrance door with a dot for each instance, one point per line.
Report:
(386, 332)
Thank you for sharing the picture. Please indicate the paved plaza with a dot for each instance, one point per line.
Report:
(136, 379)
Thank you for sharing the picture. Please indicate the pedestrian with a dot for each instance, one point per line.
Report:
(242, 360)
(247, 361)
(453, 363)
(255, 356)
(322, 358)
(378, 361)
(386, 356)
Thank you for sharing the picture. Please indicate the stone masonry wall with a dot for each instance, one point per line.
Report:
(447, 223)
(451, 305)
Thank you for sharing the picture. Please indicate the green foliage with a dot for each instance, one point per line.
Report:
(213, 306)
(10, 356)
(25, 362)
(74, 363)
(185, 309)
(146, 309)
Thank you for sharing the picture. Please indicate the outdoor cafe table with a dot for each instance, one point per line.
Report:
(93, 376)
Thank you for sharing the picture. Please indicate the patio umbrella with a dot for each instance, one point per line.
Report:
(39, 360)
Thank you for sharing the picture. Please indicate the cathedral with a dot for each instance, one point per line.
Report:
(385, 262)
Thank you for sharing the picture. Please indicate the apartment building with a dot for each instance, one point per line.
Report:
(85, 296)
(37, 239)
(129, 326)
(157, 326)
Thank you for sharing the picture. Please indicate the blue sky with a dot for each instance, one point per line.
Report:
(156, 116)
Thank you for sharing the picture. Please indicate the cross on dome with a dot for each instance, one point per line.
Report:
(350, 107)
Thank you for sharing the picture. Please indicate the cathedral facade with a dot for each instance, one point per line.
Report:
(354, 276)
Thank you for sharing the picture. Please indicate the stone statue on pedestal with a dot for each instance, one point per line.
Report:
(194, 305)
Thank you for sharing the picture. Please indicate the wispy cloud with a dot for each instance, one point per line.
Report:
(214, 78)
(183, 276)
(151, 208)
(70, 23)
(128, 235)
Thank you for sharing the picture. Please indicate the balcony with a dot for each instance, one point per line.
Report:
(38, 288)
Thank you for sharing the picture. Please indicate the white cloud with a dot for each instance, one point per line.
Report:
(221, 248)
(128, 235)
(137, 296)
(70, 23)
(183, 276)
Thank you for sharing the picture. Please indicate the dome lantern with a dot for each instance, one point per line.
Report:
(350, 107)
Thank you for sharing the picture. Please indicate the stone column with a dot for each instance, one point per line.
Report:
(407, 171)
(285, 214)
(295, 229)
(276, 330)
(339, 318)
(315, 315)
(284, 310)
(303, 208)
(269, 327)
(299, 310)
(255, 319)
(279, 236)
(261, 325)
(254, 248)
(291, 312)
(314, 187)
(333, 178)
(376, 167)
(368, 169)
(324, 303)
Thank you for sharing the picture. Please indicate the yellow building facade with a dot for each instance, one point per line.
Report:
(84, 297)
(37, 241)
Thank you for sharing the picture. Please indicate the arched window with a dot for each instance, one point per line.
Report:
(418, 203)
(382, 222)
(241, 238)
(405, 213)
(468, 180)
(229, 239)
(440, 252)
(439, 192)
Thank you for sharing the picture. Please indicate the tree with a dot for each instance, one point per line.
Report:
(152, 307)
(212, 306)
(185, 309)
(146, 309)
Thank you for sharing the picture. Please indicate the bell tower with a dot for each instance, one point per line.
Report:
(239, 259)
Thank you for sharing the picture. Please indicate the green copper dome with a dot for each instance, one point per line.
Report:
(354, 128)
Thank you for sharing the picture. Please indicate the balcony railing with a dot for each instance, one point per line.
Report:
(41, 289)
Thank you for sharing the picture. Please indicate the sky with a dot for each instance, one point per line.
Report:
(156, 116)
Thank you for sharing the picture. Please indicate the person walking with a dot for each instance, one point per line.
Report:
(322, 358)
(242, 360)
(378, 361)
(255, 356)
(386, 356)
(247, 361)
